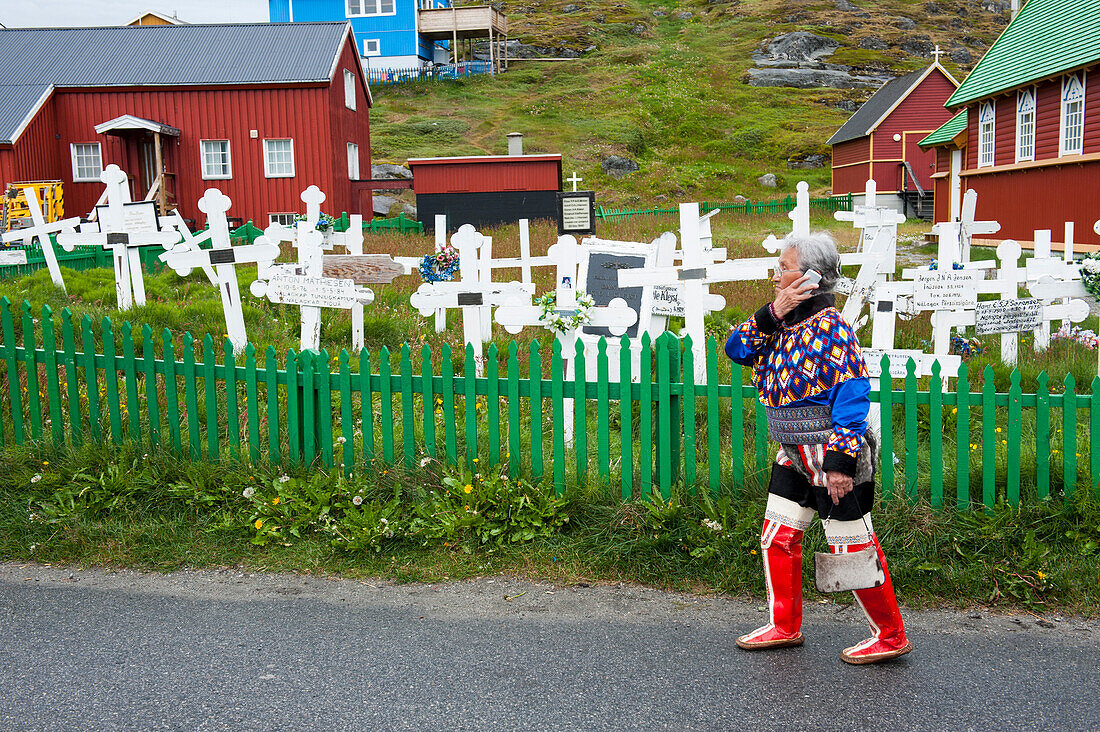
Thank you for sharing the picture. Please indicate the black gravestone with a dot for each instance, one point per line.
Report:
(603, 286)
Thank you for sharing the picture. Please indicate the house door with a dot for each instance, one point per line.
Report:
(956, 185)
(148, 157)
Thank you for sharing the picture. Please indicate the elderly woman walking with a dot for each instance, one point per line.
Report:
(813, 383)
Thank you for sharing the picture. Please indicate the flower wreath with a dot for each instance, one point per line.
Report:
(440, 266)
(324, 222)
(936, 265)
(559, 323)
(1090, 274)
(965, 347)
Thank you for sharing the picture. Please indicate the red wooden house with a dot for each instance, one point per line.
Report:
(1026, 135)
(259, 111)
(880, 141)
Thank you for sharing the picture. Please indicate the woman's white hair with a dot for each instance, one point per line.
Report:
(817, 251)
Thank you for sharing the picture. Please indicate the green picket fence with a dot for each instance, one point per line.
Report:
(70, 382)
(399, 223)
(748, 208)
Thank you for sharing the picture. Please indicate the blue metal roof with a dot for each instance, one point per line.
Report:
(17, 101)
(31, 59)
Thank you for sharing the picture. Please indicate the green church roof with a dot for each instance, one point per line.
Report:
(1045, 38)
(947, 132)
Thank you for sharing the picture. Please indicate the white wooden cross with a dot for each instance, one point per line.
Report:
(876, 252)
(311, 245)
(363, 269)
(958, 234)
(219, 262)
(311, 294)
(517, 312)
(129, 283)
(800, 217)
(41, 231)
(574, 180)
(470, 292)
(694, 277)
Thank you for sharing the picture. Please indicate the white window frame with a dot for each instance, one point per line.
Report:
(353, 161)
(268, 173)
(206, 175)
(372, 47)
(73, 151)
(349, 89)
(283, 219)
(1071, 120)
(360, 9)
(1025, 126)
(987, 126)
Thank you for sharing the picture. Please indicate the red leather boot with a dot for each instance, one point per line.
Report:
(880, 605)
(781, 549)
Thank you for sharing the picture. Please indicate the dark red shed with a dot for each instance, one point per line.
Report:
(486, 190)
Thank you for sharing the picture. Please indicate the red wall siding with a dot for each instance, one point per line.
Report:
(922, 110)
(1092, 110)
(971, 152)
(845, 178)
(487, 176)
(852, 179)
(1004, 137)
(35, 155)
(298, 113)
(1042, 198)
(852, 151)
(346, 126)
(1047, 119)
(941, 199)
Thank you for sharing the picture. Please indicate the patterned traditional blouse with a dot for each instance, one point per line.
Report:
(811, 357)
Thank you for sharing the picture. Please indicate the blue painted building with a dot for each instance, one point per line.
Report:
(386, 32)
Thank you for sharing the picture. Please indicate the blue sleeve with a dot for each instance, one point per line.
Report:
(749, 338)
(851, 402)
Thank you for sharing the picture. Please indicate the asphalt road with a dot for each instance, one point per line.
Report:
(219, 650)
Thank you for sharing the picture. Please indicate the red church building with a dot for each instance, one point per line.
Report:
(880, 141)
(259, 111)
(1026, 130)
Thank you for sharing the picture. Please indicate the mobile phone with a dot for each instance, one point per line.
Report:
(813, 277)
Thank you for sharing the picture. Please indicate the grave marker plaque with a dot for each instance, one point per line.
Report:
(1008, 316)
(952, 290)
(577, 212)
(601, 281)
(317, 292)
(137, 217)
(14, 256)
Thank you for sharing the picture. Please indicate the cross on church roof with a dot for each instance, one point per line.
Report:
(937, 53)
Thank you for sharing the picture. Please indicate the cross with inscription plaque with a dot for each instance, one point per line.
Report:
(517, 312)
(694, 277)
(129, 283)
(219, 262)
(311, 292)
(362, 269)
(41, 231)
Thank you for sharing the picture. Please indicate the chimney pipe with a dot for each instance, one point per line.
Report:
(515, 143)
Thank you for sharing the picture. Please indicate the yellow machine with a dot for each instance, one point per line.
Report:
(15, 214)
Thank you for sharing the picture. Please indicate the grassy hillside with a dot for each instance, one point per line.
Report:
(670, 95)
